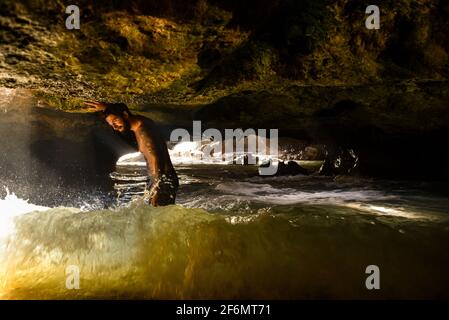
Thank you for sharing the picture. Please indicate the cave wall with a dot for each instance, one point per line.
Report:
(397, 130)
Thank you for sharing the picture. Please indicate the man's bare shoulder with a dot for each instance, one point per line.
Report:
(142, 122)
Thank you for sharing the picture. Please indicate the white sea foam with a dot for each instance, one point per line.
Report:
(132, 159)
(12, 206)
(269, 194)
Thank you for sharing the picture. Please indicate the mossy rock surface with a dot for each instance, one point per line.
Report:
(196, 52)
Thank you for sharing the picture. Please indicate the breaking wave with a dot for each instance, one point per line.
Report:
(137, 251)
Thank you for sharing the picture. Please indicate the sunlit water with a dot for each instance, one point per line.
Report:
(232, 234)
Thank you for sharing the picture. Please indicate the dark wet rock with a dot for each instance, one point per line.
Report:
(313, 153)
(122, 42)
(26, 41)
(296, 149)
(208, 57)
(10, 81)
(290, 168)
(341, 162)
(97, 58)
(15, 58)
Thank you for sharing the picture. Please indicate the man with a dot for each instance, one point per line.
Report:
(165, 180)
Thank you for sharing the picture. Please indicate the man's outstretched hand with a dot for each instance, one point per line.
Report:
(95, 106)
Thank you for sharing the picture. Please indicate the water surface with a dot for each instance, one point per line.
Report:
(233, 234)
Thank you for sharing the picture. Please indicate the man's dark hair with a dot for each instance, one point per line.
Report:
(116, 109)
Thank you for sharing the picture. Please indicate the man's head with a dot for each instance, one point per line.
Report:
(117, 116)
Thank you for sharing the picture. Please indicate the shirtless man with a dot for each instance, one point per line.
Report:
(165, 180)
